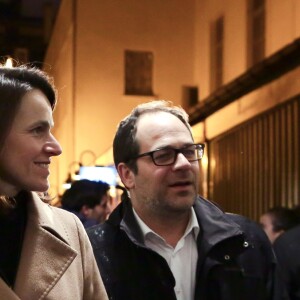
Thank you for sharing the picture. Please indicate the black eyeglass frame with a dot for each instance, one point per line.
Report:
(198, 146)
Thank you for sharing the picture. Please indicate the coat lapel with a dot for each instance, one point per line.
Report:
(6, 292)
(45, 254)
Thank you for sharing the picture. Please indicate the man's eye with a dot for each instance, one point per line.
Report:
(188, 152)
(164, 154)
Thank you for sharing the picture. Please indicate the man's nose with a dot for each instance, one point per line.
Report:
(181, 162)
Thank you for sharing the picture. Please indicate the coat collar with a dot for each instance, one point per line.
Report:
(6, 292)
(46, 255)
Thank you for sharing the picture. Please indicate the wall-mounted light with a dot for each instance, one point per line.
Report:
(8, 63)
(73, 174)
(67, 184)
(87, 158)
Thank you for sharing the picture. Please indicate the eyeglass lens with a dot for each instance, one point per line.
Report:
(168, 156)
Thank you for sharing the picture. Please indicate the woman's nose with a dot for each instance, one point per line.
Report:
(53, 147)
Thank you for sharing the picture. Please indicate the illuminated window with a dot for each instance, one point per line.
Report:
(138, 73)
(217, 53)
(256, 31)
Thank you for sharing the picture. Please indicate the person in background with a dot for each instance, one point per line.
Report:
(44, 251)
(89, 200)
(287, 249)
(164, 241)
(276, 221)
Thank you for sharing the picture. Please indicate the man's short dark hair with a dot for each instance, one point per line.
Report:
(84, 192)
(125, 145)
(283, 218)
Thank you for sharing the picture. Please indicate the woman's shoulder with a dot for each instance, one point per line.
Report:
(56, 219)
(65, 217)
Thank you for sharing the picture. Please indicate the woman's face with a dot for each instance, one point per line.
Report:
(26, 154)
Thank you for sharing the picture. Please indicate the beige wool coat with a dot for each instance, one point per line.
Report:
(57, 261)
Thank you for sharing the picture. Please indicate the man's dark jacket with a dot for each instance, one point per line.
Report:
(287, 249)
(235, 259)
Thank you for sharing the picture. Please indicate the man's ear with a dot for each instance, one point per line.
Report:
(85, 210)
(126, 175)
(278, 233)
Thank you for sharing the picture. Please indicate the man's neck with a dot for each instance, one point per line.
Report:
(170, 227)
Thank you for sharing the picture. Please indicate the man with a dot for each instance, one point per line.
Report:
(89, 200)
(287, 249)
(165, 242)
(275, 221)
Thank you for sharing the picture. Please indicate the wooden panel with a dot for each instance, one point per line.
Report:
(256, 165)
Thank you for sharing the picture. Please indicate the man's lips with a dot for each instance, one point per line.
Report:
(180, 183)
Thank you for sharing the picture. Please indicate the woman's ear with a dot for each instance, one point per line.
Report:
(126, 175)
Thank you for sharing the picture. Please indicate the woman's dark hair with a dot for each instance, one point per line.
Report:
(14, 84)
(125, 145)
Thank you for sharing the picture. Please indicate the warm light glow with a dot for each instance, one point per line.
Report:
(213, 163)
(9, 63)
(76, 177)
(66, 185)
(113, 191)
(204, 161)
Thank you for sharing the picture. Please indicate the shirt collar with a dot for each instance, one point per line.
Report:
(193, 225)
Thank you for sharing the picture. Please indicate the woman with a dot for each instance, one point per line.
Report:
(44, 250)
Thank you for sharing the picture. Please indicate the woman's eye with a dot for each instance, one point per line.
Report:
(38, 130)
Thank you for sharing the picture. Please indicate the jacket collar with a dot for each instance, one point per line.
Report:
(123, 216)
(46, 255)
(215, 225)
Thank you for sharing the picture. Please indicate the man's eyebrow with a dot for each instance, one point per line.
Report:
(173, 147)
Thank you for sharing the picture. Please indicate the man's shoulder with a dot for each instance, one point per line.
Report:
(251, 229)
(243, 221)
(254, 235)
(214, 211)
(102, 231)
(288, 240)
(293, 234)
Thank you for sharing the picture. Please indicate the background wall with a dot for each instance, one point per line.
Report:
(86, 57)
(282, 28)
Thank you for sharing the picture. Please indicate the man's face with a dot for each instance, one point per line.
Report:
(163, 190)
(266, 222)
(101, 211)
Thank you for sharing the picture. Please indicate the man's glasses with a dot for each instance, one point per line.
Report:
(168, 156)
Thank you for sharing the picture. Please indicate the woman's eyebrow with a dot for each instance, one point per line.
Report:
(42, 123)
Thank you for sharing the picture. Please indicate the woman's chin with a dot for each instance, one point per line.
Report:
(41, 188)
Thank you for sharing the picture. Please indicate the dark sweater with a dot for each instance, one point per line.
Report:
(12, 228)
